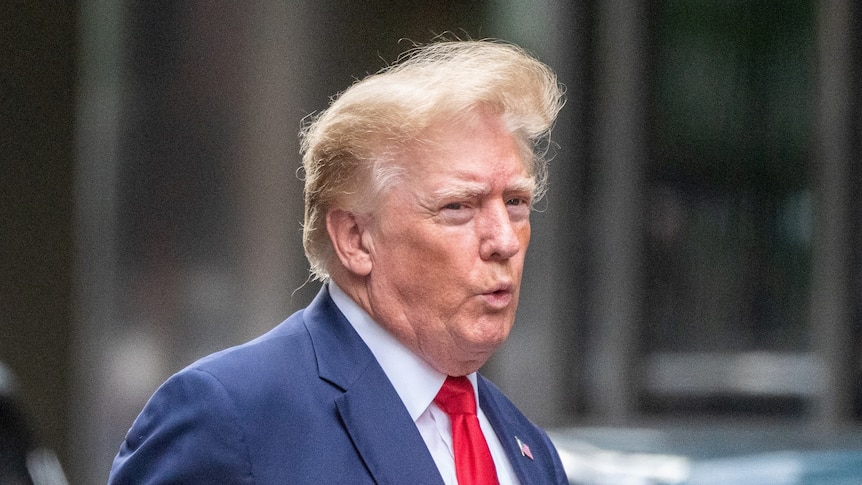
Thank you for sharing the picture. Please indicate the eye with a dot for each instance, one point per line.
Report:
(456, 213)
(519, 208)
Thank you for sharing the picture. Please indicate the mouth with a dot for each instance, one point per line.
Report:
(499, 297)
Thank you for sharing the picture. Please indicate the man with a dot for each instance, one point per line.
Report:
(419, 182)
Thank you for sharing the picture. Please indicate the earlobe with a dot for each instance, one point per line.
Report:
(351, 240)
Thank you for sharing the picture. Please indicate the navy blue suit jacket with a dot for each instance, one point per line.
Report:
(304, 403)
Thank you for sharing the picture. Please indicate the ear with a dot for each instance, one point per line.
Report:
(351, 240)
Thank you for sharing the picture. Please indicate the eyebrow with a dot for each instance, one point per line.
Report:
(462, 190)
(525, 184)
(466, 189)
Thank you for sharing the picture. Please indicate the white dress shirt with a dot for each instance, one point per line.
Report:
(417, 383)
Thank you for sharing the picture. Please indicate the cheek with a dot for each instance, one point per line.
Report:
(434, 250)
(408, 261)
(524, 235)
(430, 276)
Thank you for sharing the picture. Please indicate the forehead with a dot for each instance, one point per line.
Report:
(477, 153)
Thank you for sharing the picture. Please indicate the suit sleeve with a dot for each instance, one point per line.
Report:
(189, 432)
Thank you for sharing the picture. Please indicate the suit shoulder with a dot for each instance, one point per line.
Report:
(287, 343)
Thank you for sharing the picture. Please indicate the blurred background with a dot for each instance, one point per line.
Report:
(697, 261)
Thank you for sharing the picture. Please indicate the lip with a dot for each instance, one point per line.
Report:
(498, 297)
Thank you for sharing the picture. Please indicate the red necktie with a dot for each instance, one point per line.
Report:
(473, 462)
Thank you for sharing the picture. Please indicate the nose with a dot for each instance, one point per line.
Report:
(498, 234)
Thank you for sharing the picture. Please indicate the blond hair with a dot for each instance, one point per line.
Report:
(349, 150)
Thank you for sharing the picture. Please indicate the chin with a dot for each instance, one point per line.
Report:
(490, 334)
(482, 348)
(463, 368)
(468, 359)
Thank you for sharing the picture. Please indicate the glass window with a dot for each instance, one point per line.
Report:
(729, 239)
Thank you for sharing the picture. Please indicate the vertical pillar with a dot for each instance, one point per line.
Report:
(830, 309)
(95, 289)
(268, 192)
(620, 156)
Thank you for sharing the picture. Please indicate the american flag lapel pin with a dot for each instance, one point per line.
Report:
(525, 450)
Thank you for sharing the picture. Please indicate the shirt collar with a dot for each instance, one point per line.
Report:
(415, 381)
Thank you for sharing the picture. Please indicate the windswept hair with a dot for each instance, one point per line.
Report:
(351, 150)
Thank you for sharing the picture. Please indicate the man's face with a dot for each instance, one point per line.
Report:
(448, 244)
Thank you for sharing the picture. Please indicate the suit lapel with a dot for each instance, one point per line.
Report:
(372, 412)
(384, 433)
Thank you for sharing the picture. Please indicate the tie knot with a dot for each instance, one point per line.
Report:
(456, 396)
